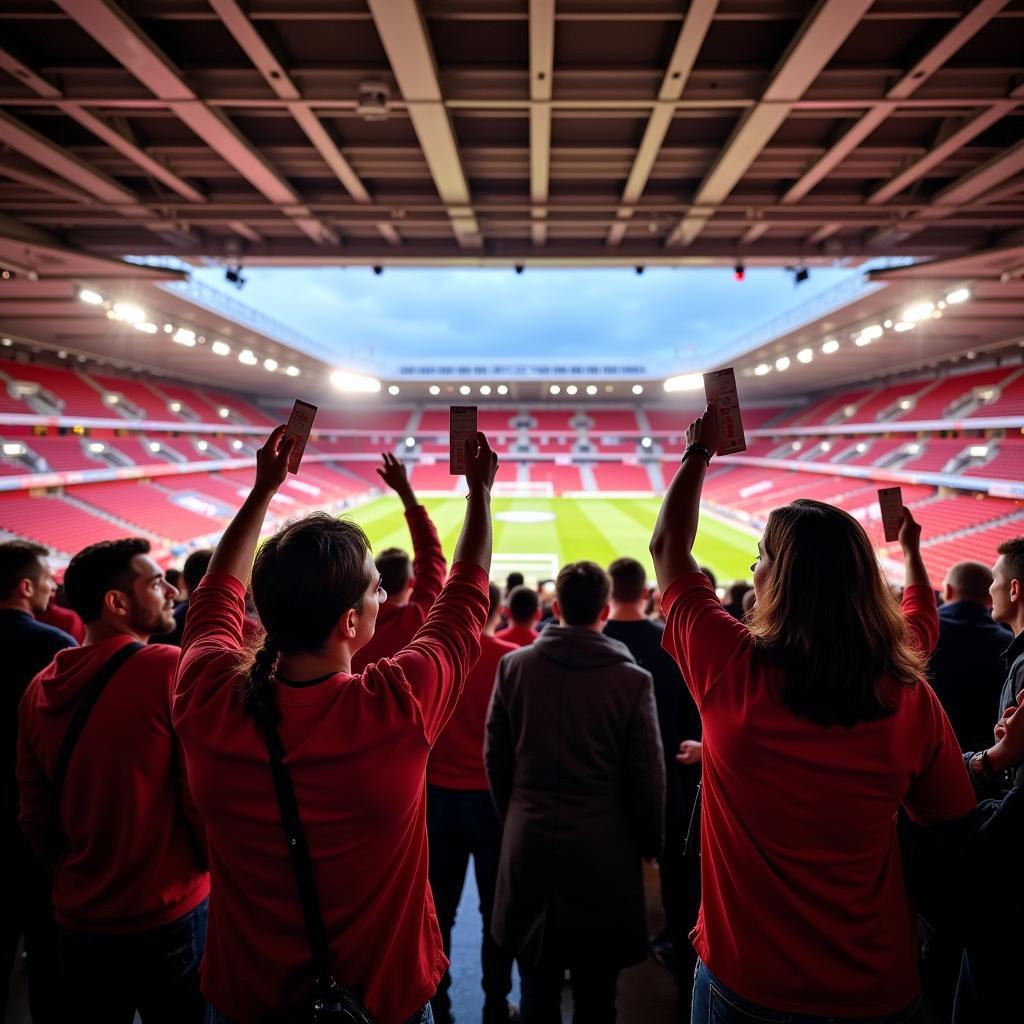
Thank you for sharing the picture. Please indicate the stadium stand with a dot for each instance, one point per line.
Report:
(1010, 401)
(614, 476)
(55, 522)
(950, 393)
(561, 478)
(146, 507)
(74, 394)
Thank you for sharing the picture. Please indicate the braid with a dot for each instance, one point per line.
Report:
(257, 688)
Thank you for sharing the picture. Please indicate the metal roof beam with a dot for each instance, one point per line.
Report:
(821, 35)
(403, 33)
(695, 27)
(542, 66)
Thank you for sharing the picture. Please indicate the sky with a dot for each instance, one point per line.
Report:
(671, 319)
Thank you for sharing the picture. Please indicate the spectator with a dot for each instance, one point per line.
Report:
(523, 606)
(194, 570)
(711, 576)
(59, 615)
(410, 588)
(130, 885)
(678, 719)
(513, 580)
(749, 600)
(1007, 592)
(966, 668)
(176, 578)
(461, 821)
(356, 752)
(546, 594)
(734, 598)
(577, 773)
(816, 730)
(26, 589)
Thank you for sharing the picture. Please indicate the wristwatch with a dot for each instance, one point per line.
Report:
(981, 768)
(701, 449)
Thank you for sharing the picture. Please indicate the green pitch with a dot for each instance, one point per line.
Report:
(564, 530)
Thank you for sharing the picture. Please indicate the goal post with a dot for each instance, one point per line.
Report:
(533, 565)
(529, 489)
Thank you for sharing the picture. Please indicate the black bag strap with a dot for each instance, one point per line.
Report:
(89, 698)
(302, 866)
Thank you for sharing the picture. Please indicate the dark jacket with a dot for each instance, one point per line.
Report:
(1013, 659)
(967, 670)
(576, 769)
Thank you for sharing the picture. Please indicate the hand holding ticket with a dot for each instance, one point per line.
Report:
(300, 423)
(720, 391)
(461, 427)
(890, 500)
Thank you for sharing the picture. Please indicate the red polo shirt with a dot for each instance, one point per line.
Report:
(804, 905)
(357, 748)
(457, 760)
(397, 624)
(521, 636)
(134, 861)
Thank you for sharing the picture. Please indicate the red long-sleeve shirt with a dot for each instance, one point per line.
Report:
(135, 858)
(521, 636)
(357, 748)
(397, 623)
(457, 760)
(804, 906)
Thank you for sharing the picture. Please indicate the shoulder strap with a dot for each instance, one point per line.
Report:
(302, 866)
(82, 712)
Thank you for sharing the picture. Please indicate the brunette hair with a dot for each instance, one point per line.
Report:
(395, 570)
(1013, 557)
(98, 569)
(826, 616)
(304, 579)
(523, 604)
(19, 560)
(629, 580)
(582, 590)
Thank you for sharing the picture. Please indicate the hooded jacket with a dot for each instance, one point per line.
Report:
(575, 765)
(133, 860)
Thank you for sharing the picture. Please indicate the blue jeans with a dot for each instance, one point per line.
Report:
(713, 1003)
(108, 977)
(461, 823)
(423, 1016)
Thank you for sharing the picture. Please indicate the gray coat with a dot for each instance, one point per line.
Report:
(575, 766)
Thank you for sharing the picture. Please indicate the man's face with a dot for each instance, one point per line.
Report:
(151, 598)
(366, 615)
(43, 587)
(1005, 592)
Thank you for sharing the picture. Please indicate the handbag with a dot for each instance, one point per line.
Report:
(329, 1002)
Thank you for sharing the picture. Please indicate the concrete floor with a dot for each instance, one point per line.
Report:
(646, 992)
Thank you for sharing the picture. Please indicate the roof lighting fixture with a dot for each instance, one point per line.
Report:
(805, 355)
(13, 449)
(6, 342)
(958, 295)
(168, 328)
(485, 389)
(465, 389)
(978, 451)
(502, 389)
(88, 296)
(830, 346)
(591, 389)
(555, 389)
(903, 325)
(782, 364)
(292, 371)
(609, 389)
(571, 389)
(918, 311)
(154, 446)
(127, 312)
(684, 382)
(434, 389)
(393, 389)
(146, 327)
(646, 442)
(246, 358)
(220, 348)
(638, 389)
(183, 336)
(410, 442)
(270, 365)
(761, 369)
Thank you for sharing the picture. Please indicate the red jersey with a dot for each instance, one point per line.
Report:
(521, 636)
(457, 760)
(357, 748)
(133, 861)
(66, 619)
(804, 905)
(397, 623)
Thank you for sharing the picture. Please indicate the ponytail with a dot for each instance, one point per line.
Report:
(257, 685)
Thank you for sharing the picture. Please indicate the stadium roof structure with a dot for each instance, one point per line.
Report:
(513, 131)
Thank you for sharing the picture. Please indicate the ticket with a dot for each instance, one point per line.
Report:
(720, 388)
(890, 500)
(461, 427)
(300, 423)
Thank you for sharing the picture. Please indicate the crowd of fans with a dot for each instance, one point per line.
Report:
(250, 791)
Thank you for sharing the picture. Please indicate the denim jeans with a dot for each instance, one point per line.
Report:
(108, 977)
(422, 1016)
(593, 994)
(461, 823)
(713, 1003)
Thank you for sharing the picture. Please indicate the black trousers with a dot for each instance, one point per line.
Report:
(461, 824)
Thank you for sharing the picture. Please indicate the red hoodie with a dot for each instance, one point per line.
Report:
(397, 623)
(357, 750)
(134, 860)
(66, 619)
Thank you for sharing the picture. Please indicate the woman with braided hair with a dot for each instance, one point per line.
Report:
(356, 748)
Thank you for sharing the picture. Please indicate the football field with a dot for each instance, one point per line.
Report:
(538, 535)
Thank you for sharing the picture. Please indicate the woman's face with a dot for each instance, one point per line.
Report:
(760, 568)
(366, 615)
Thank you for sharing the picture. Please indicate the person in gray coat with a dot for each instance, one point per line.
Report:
(575, 766)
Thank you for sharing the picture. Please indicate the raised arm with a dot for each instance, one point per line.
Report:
(237, 547)
(676, 528)
(910, 542)
(474, 544)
